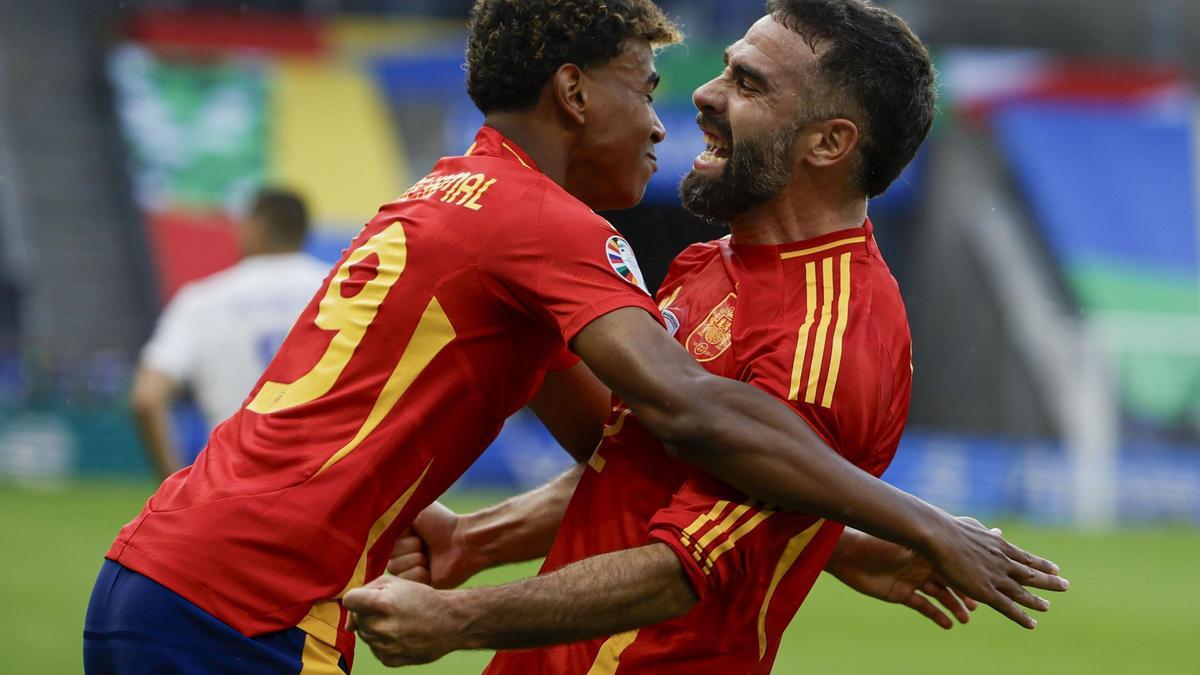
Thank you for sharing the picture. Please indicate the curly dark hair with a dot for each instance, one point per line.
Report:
(515, 46)
(878, 70)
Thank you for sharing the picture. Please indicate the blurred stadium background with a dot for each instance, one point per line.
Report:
(1047, 241)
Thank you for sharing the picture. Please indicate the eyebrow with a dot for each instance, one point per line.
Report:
(653, 80)
(746, 71)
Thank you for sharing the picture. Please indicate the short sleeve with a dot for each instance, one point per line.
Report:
(569, 265)
(716, 532)
(173, 347)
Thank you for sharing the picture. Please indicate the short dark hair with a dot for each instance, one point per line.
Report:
(874, 64)
(515, 46)
(283, 213)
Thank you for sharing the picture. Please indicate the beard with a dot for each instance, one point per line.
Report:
(757, 169)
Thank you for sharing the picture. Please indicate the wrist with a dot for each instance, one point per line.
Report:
(929, 531)
(842, 552)
(464, 613)
(476, 538)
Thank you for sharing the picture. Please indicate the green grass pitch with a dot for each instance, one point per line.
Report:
(1134, 604)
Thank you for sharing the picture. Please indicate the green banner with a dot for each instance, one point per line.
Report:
(197, 129)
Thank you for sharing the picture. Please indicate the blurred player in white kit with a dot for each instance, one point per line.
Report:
(218, 333)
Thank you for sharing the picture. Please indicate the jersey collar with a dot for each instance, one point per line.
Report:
(853, 239)
(492, 143)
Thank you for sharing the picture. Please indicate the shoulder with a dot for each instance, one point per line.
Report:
(693, 257)
(876, 303)
(306, 265)
(829, 317)
(202, 291)
(558, 207)
(702, 251)
(857, 285)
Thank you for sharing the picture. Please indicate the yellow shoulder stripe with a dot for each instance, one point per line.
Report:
(733, 538)
(835, 292)
(835, 360)
(810, 306)
(814, 371)
(710, 517)
(697, 548)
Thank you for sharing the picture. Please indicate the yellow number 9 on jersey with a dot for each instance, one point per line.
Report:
(349, 316)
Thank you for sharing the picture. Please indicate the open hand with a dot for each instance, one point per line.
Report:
(893, 573)
(979, 563)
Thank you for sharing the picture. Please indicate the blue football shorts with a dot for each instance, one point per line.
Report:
(137, 626)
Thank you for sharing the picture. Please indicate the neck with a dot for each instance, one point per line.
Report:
(798, 213)
(541, 138)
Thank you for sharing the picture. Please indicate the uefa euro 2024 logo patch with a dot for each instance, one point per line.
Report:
(671, 321)
(624, 263)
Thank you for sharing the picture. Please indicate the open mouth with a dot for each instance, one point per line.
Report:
(716, 151)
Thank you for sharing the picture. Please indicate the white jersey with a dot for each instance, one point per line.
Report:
(219, 333)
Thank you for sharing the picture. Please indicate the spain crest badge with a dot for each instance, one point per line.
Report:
(714, 334)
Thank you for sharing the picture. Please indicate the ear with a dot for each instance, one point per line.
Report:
(832, 142)
(568, 89)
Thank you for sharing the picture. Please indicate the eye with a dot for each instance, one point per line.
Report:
(649, 98)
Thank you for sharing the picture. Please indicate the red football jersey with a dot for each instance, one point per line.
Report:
(439, 322)
(820, 325)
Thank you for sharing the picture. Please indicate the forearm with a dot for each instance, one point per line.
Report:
(154, 427)
(522, 527)
(595, 597)
(762, 447)
(743, 435)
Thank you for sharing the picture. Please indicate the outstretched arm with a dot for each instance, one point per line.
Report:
(406, 623)
(752, 441)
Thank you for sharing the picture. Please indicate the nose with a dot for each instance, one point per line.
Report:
(658, 133)
(708, 99)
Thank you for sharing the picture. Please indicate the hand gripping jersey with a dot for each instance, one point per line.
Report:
(439, 322)
(820, 325)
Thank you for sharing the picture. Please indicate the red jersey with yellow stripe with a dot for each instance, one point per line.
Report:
(818, 324)
(440, 321)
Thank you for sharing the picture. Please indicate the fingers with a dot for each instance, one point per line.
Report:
(418, 575)
(1021, 596)
(400, 564)
(1004, 605)
(1027, 576)
(1031, 570)
(1028, 559)
(927, 608)
(366, 600)
(949, 600)
(407, 543)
